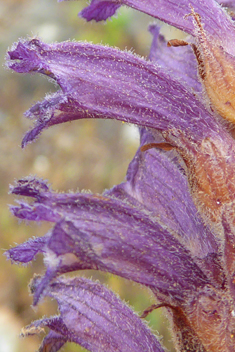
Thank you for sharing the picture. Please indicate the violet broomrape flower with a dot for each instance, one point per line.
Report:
(170, 226)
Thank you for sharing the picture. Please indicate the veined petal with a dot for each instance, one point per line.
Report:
(93, 317)
(160, 186)
(156, 181)
(180, 61)
(217, 22)
(102, 82)
(99, 232)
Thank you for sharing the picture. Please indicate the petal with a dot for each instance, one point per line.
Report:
(92, 316)
(180, 61)
(102, 82)
(52, 342)
(98, 232)
(24, 211)
(30, 187)
(155, 181)
(26, 252)
(216, 21)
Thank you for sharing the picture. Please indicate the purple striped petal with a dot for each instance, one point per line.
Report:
(101, 82)
(98, 232)
(156, 181)
(216, 21)
(93, 317)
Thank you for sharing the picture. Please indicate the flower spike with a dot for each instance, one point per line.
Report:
(170, 225)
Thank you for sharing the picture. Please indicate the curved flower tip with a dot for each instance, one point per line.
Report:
(22, 59)
(26, 252)
(93, 317)
(30, 187)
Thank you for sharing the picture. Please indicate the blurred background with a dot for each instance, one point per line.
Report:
(88, 154)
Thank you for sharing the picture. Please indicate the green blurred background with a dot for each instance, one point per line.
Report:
(88, 154)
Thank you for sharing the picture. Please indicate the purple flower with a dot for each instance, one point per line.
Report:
(170, 226)
(93, 317)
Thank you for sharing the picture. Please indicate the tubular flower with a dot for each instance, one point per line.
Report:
(170, 225)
